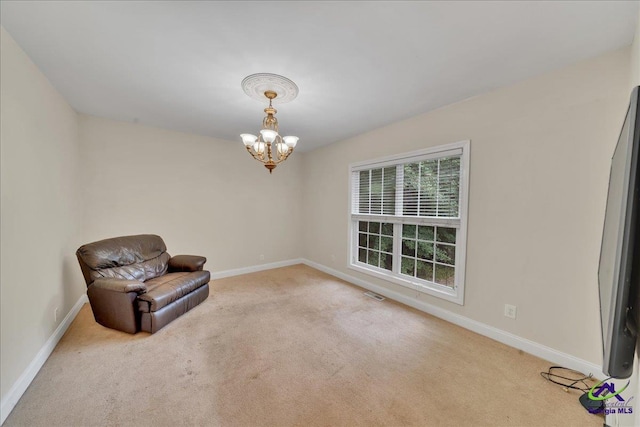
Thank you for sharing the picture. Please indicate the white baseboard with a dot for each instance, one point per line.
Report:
(255, 268)
(10, 400)
(531, 347)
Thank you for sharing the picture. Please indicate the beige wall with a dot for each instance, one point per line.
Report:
(635, 55)
(39, 210)
(540, 153)
(202, 195)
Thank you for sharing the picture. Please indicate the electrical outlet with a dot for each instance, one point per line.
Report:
(333, 258)
(261, 257)
(510, 311)
(55, 314)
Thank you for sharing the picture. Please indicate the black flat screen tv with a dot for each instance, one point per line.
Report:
(619, 269)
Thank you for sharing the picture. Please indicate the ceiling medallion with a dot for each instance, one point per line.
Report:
(274, 88)
(256, 85)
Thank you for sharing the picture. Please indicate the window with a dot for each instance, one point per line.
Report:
(408, 219)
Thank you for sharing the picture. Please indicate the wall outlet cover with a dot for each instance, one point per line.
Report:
(510, 311)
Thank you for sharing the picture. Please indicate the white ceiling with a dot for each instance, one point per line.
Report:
(359, 65)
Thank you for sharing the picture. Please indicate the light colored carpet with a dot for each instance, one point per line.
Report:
(293, 347)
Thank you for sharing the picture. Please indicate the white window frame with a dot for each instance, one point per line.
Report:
(454, 294)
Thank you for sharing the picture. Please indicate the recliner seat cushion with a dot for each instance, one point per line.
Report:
(170, 287)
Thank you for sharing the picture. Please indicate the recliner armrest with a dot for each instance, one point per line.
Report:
(120, 285)
(186, 263)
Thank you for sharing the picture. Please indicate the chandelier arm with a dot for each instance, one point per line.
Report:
(269, 152)
(285, 156)
(256, 155)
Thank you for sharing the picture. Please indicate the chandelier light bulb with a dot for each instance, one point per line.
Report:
(268, 135)
(248, 139)
(282, 148)
(291, 141)
(259, 147)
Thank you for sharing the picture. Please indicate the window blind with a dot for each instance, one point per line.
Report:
(428, 188)
(376, 191)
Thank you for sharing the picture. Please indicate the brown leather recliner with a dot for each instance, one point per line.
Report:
(134, 284)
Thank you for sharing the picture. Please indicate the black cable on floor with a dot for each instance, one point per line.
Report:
(567, 378)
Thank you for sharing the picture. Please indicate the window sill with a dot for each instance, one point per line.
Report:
(438, 291)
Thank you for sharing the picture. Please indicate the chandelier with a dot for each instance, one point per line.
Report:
(269, 147)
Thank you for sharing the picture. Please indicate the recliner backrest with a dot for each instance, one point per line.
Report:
(140, 257)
